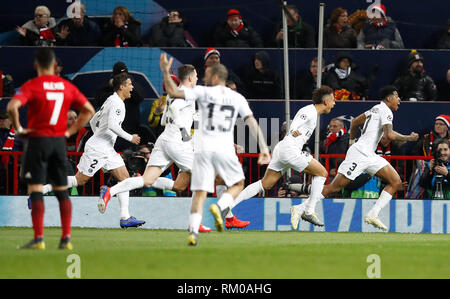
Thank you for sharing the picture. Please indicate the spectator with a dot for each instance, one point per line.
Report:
(415, 84)
(261, 82)
(72, 117)
(123, 30)
(300, 34)
(170, 32)
(444, 88)
(444, 39)
(338, 33)
(157, 110)
(437, 170)
(236, 33)
(212, 57)
(59, 68)
(357, 20)
(307, 80)
(428, 142)
(379, 31)
(78, 29)
(7, 89)
(231, 84)
(346, 81)
(40, 31)
(334, 141)
(131, 123)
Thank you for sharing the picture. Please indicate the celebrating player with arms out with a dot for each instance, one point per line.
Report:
(214, 151)
(99, 150)
(288, 154)
(49, 98)
(361, 156)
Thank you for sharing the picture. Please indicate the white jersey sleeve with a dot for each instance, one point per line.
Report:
(192, 94)
(115, 118)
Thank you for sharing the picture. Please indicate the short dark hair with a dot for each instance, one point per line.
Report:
(184, 71)
(119, 80)
(443, 141)
(44, 57)
(319, 93)
(387, 91)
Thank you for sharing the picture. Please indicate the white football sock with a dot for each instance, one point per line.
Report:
(248, 192)
(163, 183)
(124, 198)
(220, 190)
(317, 183)
(226, 201)
(127, 185)
(71, 182)
(382, 201)
(195, 219)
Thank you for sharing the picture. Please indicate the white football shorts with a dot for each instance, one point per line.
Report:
(94, 159)
(286, 155)
(208, 164)
(165, 153)
(356, 163)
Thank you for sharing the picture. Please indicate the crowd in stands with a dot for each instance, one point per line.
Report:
(358, 30)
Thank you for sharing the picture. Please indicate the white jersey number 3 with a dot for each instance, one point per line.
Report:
(58, 97)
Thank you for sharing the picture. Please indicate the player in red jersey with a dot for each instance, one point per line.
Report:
(48, 98)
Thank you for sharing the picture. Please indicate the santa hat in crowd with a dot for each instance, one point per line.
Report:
(377, 8)
(234, 13)
(445, 119)
(175, 79)
(210, 51)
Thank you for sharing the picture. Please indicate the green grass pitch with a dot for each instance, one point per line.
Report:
(142, 253)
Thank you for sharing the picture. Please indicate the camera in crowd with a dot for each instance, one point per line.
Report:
(294, 183)
(136, 160)
(438, 161)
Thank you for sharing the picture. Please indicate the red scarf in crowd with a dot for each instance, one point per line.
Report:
(383, 152)
(8, 146)
(47, 34)
(235, 32)
(332, 137)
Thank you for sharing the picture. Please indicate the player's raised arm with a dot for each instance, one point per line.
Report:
(86, 112)
(264, 156)
(170, 86)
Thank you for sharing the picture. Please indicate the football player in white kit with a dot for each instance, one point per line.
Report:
(214, 151)
(361, 156)
(288, 153)
(99, 151)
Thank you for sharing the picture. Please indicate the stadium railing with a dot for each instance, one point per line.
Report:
(408, 168)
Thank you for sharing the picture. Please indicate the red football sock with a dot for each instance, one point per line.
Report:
(37, 214)
(65, 210)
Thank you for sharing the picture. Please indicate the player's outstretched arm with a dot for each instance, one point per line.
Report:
(392, 135)
(355, 124)
(170, 86)
(264, 156)
(86, 113)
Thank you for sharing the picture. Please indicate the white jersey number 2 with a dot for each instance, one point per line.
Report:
(58, 97)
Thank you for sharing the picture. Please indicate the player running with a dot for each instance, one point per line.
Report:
(214, 151)
(288, 153)
(49, 98)
(361, 157)
(99, 150)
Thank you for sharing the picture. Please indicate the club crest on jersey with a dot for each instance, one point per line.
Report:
(303, 116)
(374, 110)
(389, 118)
(118, 111)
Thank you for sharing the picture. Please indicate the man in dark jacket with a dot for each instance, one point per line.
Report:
(300, 34)
(346, 80)
(169, 32)
(334, 141)
(416, 85)
(262, 82)
(437, 168)
(78, 30)
(306, 82)
(235, 32)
